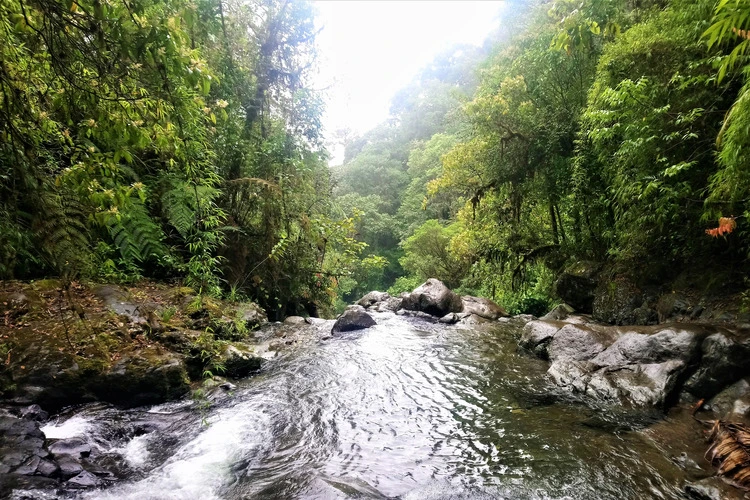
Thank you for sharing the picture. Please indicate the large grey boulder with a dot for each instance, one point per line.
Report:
(434, 298)
(639, 365)
(650, 384)
(484, 308)
(580, 342)
(373, 298)
(725, 358)
(353, 318)
(536, 335)
(732, 403)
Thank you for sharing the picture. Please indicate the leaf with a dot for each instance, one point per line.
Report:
(730, 452)
(726, 226)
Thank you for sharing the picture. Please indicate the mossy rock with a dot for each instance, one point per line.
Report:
(147, 376)
(239, 361)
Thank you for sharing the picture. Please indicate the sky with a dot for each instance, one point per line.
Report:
(370, 49)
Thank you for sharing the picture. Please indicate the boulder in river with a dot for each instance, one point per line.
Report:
(373, 298)
(434, 298)
(641, 365)
(484, 308)
(240, 362)
(353, 318)
(725, 358)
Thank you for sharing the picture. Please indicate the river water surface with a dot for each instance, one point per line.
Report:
(405, 409)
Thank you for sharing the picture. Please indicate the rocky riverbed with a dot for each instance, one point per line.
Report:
(648, 377)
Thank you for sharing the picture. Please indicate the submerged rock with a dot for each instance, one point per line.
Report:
(434, 298)
(353, 318)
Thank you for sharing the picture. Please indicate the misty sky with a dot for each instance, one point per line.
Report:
(370, 49)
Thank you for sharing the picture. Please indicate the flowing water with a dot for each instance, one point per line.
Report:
(406, 409)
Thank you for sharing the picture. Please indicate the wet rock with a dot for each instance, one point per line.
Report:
(250, 313)
(579, 342)
(240, 362)
(148, 376)
(449, 319)
(577, 283)
(703, 490)
(84, 479)
(392, 304)
(615, 302)
(558, 313)
(654, 346)
(643, 367)
(295, 320)
(641, 385)
(725, 359)
(484, 308)
(228, 386)
(34, 412)
(732, 403)
(353, 318)
(433, 298)
(373, 298)
(47, 468)
(537, 334)
(29, 467)
(74, 447)
(69, 466)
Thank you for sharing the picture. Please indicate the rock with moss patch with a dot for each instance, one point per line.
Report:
(147, 376)
(616, 301)
(239, 361)
(576, 285)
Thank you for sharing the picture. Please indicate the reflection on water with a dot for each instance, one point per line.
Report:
(406, 410)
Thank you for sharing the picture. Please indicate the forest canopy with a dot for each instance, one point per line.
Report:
(182, 141)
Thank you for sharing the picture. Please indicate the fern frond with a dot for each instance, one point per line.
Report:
(136, 235)
(61, 230)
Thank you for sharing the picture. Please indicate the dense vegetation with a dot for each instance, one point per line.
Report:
(181, 140)
(613, 131)
(169, 139)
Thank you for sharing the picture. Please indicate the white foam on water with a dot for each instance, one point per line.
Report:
(135, 452)
(72, 427)
(200, 467)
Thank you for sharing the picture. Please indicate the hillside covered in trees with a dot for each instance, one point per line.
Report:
(604, 131)
(182, 141)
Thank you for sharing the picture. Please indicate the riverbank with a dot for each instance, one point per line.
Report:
(135, 346)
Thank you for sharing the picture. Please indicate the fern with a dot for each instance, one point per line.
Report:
(61, 229)
(178, 207)
(136, 235)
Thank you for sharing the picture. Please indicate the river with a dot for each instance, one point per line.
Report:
(405, 409)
